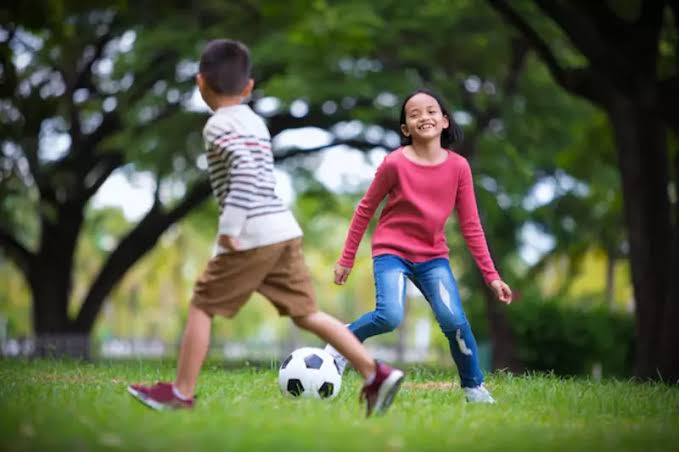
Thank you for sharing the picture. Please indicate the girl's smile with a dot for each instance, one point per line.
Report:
(423, 118)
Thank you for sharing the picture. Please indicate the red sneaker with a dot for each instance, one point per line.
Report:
(379, 394)
(160, 397)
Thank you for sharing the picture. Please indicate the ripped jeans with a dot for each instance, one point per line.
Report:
(436, 282)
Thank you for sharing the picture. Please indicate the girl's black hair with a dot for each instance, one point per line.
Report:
(451, 135)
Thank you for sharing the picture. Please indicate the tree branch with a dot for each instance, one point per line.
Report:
(674, 5)
(651, 14)
(290, 153)
(582, 32)
(582, 82)
(17, 252)
(669, 89)
(539, 45)
(606, 20)
(10, 79)
(483, 117)
(646, 32)
(110, 124)
(98, 174)
(131, 248)
(83, 75)
(81, 78)
(314, 118)
(520, 48)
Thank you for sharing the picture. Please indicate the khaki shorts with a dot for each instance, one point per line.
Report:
(276, 271)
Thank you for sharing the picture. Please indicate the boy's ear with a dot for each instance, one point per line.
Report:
(249, 86)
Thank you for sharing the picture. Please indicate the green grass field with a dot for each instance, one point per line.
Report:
(55, 406)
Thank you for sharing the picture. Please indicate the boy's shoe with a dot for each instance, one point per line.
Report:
(340, 361)
(379, 393)
(478, 394)
(160, 397)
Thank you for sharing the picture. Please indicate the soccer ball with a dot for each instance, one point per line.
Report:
(311, 373)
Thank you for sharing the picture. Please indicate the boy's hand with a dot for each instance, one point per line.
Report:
(341, 274)
(502, 291)
(228, 243)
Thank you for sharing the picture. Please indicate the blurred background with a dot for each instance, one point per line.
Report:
(571, 120)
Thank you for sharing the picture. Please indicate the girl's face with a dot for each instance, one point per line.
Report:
(424, 120)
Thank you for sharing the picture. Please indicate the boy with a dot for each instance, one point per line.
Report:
(259, 247)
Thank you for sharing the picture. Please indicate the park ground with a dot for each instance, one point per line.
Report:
(71, 406)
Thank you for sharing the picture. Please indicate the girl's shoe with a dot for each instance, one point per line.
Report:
(340, 361)
(478, 394)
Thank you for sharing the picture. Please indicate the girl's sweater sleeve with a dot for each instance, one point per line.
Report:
(379, 188)
(470, 225)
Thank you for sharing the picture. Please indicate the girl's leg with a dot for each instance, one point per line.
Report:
(437, 283)
(390, 274)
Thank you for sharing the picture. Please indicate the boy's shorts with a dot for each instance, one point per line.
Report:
(276, 271)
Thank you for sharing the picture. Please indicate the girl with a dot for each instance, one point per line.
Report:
(423, 181)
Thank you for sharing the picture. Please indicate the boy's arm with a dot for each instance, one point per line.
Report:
(380, 186)
(470, 225)
(242, 174)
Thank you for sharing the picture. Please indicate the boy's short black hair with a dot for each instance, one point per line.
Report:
(225, 66)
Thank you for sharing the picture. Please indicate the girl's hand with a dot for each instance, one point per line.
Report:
(502, 291)
(341, 274)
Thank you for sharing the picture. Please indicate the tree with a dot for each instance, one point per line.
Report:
(630, 71)
(382, 50)
(90, 88)
(110, 86)
(123, 107)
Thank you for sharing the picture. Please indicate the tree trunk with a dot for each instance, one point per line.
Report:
(501, 336)
(50, 279)
(610, 277)
(643, 160)
(670, 339)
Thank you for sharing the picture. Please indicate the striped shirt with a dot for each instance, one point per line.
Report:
(240, 163)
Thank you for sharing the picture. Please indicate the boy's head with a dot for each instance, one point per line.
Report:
(224, 70)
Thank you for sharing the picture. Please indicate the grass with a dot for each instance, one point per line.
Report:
(55, 405)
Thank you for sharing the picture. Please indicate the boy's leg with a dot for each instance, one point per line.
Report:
(335, 333)
(288, 286)
(437, 283)
(163, 396)
(193, 351)
(222, 289)
(382, 382)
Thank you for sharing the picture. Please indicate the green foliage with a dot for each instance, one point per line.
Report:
(316, 51)
(570, 340)
(59, 406)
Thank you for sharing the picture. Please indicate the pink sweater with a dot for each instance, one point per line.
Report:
(420, 200)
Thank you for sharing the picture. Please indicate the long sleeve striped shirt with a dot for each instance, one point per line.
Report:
(240, 163)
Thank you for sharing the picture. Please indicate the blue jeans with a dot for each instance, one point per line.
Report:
(437, 283)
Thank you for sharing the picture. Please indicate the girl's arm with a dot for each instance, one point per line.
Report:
(470, 225)
(380, 186)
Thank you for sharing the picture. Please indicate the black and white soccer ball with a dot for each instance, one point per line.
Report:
(311, 373)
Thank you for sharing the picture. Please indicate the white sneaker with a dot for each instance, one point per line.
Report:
(340, 361)
(478, 394)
